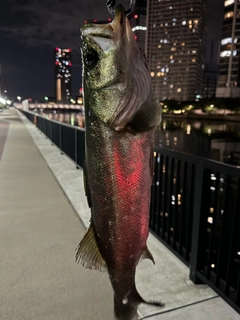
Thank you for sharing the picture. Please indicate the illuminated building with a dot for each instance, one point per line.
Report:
(138, 22)
(175, 48)
(229, 73)
(63, 64)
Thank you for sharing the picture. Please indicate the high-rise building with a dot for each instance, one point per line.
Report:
(211, 68)
(63, 63)
(138, 22)
(229, 69)
(175, 48)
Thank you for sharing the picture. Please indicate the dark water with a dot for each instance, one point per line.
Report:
(216, 140)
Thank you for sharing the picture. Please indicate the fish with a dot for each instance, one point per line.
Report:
(120, 117)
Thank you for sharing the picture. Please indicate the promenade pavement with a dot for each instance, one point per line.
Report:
(43, 216)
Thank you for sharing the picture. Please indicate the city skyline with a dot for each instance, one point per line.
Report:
(31, 31)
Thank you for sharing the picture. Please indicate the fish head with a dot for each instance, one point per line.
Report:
(116, 78)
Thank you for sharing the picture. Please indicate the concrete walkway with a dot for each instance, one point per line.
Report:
(41, 201)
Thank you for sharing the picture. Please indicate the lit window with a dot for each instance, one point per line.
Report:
(228, 2)
(193, 60)
(226, 41)
(226, 53)
(184, 22)
(228, 15)
(152, 74)
(179, 90)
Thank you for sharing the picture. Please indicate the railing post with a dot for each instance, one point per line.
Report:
(52, 132)
(76, 148)
(197, 209)
(60, 138)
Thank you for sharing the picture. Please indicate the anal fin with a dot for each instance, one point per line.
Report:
(88, 253)
(147, 255)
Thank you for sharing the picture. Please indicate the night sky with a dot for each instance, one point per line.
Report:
(31, 29)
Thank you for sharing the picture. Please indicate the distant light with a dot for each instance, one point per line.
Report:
(70, 64)
(85, 21)
(109, 19)
(135, 16)
(56, 63)
(2, 100)
(8, 102)
(57, 48)
(213, 265)
(95, 20)
(46, 98)
(135, 37)
(210, 220)
(139, 28)
(69, 50)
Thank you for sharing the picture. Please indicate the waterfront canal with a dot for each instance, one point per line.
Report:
(217, 140)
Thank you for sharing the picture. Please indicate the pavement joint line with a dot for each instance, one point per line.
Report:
(178, 308)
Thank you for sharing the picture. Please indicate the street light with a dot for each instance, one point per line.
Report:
(46, 98)
(19, 98)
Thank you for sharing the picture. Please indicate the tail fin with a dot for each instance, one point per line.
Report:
(126, 309)
(150, 302)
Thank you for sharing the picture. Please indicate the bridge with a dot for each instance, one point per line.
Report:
(44, 215)
(25, 105)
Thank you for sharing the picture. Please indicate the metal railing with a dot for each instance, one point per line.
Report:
(195, 208)
(69, 139)
(195, 212)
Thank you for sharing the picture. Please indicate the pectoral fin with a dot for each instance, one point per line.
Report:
(88, 253)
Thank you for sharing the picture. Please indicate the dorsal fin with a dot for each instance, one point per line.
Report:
(88, 253)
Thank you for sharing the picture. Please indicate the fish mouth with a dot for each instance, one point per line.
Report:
(107, 36)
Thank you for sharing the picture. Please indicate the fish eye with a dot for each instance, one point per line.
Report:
(91, 58)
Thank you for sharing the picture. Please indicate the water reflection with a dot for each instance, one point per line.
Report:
(210, 139)
(214, 140)
(72, 118)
